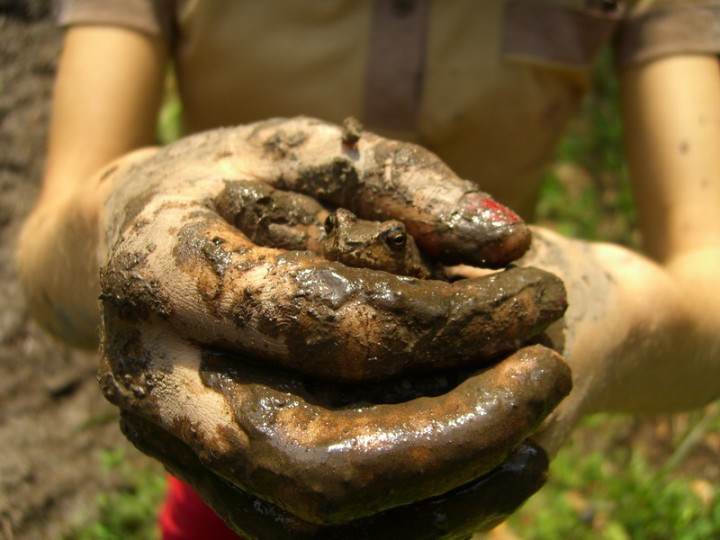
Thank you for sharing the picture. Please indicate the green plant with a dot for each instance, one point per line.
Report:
(129, 511)
(619, 495)
(587, 193)
(169, 124)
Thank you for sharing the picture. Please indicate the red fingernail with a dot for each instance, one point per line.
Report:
(491, 210)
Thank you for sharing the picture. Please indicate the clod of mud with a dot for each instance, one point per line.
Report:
(351, 132)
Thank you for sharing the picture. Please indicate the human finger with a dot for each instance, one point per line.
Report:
(480, 504)
(378, 179)
(270, 434)
(339, 463)
(295, 309)
(451, 218)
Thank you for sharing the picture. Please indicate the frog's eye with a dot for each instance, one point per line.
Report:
(396, 238)
(330, 223)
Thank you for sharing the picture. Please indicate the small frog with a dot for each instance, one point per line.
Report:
(378, 245)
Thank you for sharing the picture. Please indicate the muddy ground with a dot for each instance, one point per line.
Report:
(53, 419)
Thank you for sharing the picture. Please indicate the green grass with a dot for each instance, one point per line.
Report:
(128, 512)
(169, 124)
(592, 497)
(612, 489)
(587, 192)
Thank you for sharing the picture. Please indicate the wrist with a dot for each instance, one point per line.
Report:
(662, 331)
(58, 266)
(636, 338)
(696, 274)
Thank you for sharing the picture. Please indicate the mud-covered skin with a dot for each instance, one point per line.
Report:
(479, 505)
(305, 454)
(378, 179)
(297, 310)
(455, 223)
(180, 278)
(272, 217)
(287, 443)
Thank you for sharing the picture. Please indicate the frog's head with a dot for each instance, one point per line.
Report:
(378, 245)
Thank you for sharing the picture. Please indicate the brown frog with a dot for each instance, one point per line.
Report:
(293, 221)
(380, 245)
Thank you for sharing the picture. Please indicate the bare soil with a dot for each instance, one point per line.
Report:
(53, 419)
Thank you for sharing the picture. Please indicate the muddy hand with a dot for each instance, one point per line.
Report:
(181, 282)
(481, 504)
(289, 458)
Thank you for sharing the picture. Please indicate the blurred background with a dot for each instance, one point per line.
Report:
(66, 472)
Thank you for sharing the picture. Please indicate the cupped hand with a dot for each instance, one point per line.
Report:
(325, 395)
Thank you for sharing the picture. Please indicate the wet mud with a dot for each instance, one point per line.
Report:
(260, 265)
(480, 504)
(300, 445)
(333, 321)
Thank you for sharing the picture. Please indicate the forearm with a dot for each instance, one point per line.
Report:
(671, 109)
(651, 327)
(101, 110)
(59, 255)
(668, 360)
(58, 269)
(60, 251)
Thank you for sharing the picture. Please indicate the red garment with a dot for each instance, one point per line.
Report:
(185, 516)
